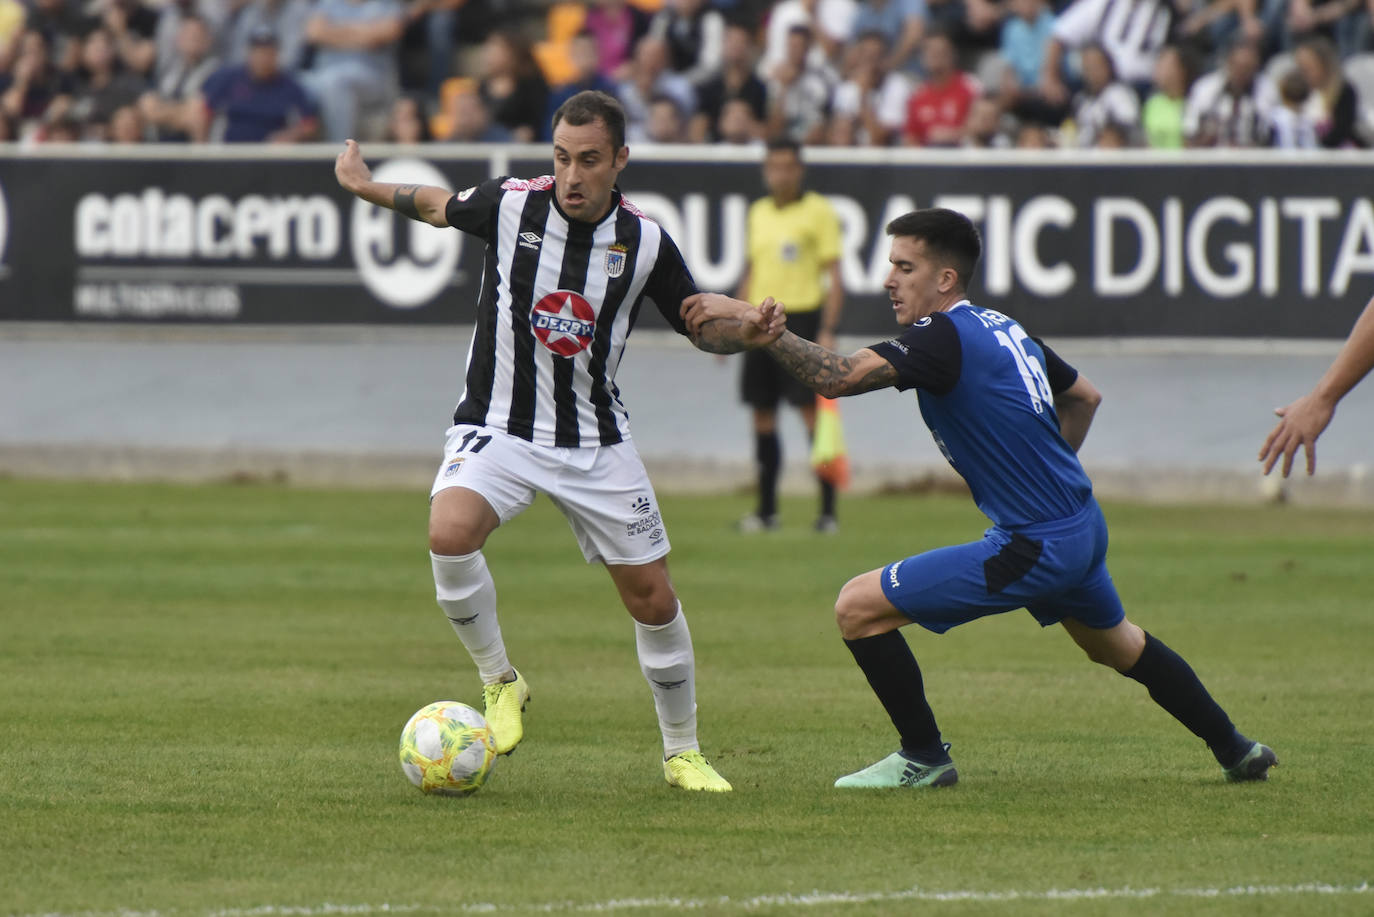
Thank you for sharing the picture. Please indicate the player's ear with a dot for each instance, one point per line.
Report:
(948, 280)
(622, 156)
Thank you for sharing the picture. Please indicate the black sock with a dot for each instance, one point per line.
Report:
(768, 454)
(827, 499)
(895, 677)
(1174, 685)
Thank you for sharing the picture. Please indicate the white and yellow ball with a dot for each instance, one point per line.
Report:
(447, 748)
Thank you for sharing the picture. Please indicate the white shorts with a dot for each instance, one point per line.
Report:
(603, 491)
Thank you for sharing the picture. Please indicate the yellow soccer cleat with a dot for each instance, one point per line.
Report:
(691, 771)
(505, 702)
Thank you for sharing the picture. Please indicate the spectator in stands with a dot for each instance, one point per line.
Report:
(12, 16)
(1162, 117)
(1230, 107)
(666, 123)
(512, 87)
(354, 71)
(1321, 67)
(830, 23)
(903, 22)
(1032, 135)
(1133, 32)
(736, 80)
(1115, 136)
(738, 124)
(131, 27)
(285, 19)
(106, 85)
(983, 130)
(217, 15)
(8, 132)
(618, 27)
(1211, 25)
(256, 102)
(695, 35)
(35, 88)
(938, 109)
(648, 77)
(799, 92)
(973, 25)
(63, 27)
(1340, 21)
(407, 123)
(63, 129)
(126, 126)
(170, 109)
(1292, 124)
(437, 20)
(870, 105)
(1103, 100)
(588, 76)
(1025, 36)
(470, 122)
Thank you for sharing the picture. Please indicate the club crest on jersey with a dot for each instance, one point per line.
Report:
(564, 322)
(616, 256)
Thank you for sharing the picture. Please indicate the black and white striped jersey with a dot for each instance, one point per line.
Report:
(558, 300)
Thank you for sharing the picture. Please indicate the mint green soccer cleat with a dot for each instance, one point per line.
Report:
(1254, 766)
(897, 770)
(505, 702)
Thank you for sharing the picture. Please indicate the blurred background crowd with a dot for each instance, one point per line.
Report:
(909, 73)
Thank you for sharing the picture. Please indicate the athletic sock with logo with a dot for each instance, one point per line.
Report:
(665, 658)
(768, 454)
(1174, 685)
(895, 677)
(465, 591)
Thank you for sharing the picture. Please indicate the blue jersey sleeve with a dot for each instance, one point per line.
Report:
(928, 355)
(1060, 374)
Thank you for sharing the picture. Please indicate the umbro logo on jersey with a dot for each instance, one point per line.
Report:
(530, 240)
(642, 506)
(923, 322)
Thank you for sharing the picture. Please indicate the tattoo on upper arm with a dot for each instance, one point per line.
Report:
(826, 372)
(403, 201)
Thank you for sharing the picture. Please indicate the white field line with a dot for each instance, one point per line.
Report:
(807, 899)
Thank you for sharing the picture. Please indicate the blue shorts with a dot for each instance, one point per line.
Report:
(1054, 570)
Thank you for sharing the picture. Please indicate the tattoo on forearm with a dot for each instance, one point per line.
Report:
(826, 372)
(403, 201)
(719, 336)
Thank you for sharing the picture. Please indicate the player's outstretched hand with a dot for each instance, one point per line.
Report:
(350, 169)
(1299, 426)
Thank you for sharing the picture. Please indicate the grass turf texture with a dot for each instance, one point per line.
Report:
(204, 686)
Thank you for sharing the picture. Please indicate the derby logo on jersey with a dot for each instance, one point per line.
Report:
(564, 322)
(615, 259)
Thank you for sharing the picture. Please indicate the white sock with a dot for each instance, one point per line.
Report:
(466, 593)
(665, 658)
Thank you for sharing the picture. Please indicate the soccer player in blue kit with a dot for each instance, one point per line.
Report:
(1009, 415)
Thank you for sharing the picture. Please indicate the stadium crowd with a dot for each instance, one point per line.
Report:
(937, 73)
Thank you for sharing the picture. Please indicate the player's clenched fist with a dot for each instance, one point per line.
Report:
(350, 169)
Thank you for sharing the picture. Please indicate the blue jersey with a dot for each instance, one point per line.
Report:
(986, 391)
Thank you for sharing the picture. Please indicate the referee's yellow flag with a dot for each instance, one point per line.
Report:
(829, 457)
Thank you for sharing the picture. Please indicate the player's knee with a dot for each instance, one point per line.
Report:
(852, 614)
(654, 605)
(455, 537)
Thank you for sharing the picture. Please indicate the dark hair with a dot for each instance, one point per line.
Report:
(592, 105)
(949, 236)
(1293, 87)
(784, 145)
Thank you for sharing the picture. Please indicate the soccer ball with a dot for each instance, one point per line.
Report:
(447, 748)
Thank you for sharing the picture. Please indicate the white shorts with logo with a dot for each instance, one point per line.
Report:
(603, 491)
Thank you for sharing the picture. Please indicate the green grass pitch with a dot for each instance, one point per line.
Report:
(203, 689)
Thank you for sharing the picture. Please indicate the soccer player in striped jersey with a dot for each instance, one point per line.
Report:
(1009, 415)
(568, 265)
